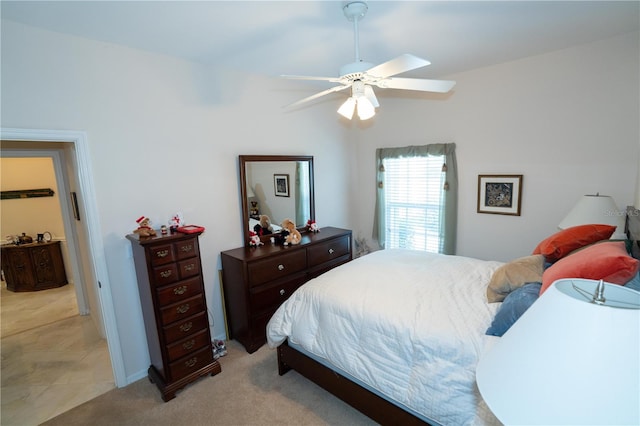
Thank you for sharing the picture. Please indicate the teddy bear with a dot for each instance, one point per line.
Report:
(294, 236)
(144, 230)
(264, 227)
(312, 226)
(254, 239)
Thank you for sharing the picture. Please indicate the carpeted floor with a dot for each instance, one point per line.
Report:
(248, 391)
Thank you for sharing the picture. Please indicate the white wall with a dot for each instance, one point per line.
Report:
(164, 136)
(568, 121)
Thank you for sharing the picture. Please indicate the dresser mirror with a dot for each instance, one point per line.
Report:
(278, 186)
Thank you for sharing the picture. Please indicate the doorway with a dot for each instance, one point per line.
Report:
(66, 322)
(86, 249)
(49, 161)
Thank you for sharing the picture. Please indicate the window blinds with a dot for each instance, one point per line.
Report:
(413, 189)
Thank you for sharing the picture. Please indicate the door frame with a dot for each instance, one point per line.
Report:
(88, 205)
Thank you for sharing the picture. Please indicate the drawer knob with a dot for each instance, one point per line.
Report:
(282, 292)
(180, 290)
(190, 267)
(165, 274)
(187, 248)
(188, 345)
(162, 253)
(330, 251)
(191, 362)
(182, 308)
(186, 326)
(280, 267)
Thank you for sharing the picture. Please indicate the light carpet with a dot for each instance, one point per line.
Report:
(248, 391)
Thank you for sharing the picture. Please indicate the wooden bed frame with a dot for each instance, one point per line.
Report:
(365, 401)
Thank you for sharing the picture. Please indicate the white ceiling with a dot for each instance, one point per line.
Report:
(315, 38)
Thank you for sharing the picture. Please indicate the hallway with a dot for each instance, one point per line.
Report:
(52, 358)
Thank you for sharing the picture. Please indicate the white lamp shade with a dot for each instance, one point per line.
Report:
(369, 93)
(366, 109)
(347, 108)
(568, 361)
(596, 209)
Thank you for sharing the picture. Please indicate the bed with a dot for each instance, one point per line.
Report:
(397, 334)
(402, 329)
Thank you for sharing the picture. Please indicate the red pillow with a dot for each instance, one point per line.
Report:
(564, 242)
(604, 261)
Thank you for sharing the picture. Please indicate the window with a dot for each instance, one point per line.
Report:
(416, 199)
(413, 202)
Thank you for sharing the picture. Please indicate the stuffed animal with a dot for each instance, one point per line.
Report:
(280, 237)
(254, 239)
(294, 236)
(312, 226)
(264, 227)
(144, 230)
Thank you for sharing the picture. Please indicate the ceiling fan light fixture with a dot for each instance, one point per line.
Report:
(347, 108)
(360, 76)
(368, 92)
(366, 110)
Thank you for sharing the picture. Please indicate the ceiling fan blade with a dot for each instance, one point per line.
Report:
(317, 95)
(306, 77)
(425, 85)
(402, 63)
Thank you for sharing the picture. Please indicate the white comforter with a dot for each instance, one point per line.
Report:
(409, 324)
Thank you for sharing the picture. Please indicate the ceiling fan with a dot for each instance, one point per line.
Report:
(360, 76)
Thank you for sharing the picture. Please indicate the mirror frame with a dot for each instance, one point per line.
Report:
(244, 159)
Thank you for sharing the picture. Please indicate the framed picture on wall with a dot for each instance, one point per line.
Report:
(281, 185)
(499, 194)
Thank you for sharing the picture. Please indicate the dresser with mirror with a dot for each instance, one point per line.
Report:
(256, 280)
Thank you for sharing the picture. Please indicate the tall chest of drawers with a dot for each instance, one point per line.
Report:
(174, 307)
(256, 280)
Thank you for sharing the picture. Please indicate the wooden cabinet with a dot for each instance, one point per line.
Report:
(31, 267)
(256, 280)
(171, 288)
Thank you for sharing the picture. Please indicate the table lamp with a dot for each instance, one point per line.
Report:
(598, 209)
(573, 358)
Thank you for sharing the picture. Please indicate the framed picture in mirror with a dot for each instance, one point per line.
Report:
(281, 185)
